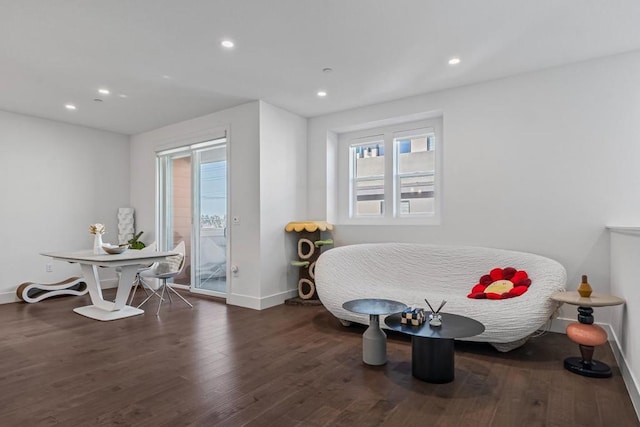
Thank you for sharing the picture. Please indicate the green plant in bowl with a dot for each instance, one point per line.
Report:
(134, 243)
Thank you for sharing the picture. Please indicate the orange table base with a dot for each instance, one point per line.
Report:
(587, 336)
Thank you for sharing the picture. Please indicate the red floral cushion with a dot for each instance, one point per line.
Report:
(501, 283)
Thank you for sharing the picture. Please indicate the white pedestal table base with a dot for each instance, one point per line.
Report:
(96, 313)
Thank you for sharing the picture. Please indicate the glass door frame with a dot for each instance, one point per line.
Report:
(163, 192)
(196, 211)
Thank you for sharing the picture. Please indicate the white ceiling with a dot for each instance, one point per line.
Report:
(55, 52)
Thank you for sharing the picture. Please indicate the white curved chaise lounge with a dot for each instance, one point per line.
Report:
(409, 272)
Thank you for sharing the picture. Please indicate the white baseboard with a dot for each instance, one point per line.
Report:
(629, 378)
(244, 301)
(255, 303)
(8, 297)
(277, 299)
(560, 325)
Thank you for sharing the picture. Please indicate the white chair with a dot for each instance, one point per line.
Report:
(168, 269)
(137, 281)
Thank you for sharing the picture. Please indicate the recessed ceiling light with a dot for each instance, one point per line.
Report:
(122, 95)
(97, 100)
(227, 44)
(104, 91)
(322, 93)
(454, 61)
(166, 77)
(70, 107)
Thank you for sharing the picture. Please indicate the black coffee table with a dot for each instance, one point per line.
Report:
(374, 340)
(432, 347)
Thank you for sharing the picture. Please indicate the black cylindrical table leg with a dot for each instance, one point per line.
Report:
(432, 359)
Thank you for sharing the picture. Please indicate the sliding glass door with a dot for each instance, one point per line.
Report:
(175, 207)
(210, 194)
(192, 195)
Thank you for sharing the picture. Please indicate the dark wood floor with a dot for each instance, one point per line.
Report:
(218, 365)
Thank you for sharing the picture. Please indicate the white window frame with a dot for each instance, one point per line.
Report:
(392, 212)
(353, 180)
(397, 175)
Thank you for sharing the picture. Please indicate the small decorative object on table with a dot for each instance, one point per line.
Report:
(412, 316)
(434, 317)
(114, 249)
(97, 230)
(585, 288)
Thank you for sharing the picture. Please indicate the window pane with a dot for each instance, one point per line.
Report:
(370, 208)
(369, 197)
(369, 160)
(416, 154)
(368, 179)
(416, 195)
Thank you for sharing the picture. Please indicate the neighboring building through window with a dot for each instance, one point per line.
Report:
(392, 174)
(415, 172)
(367, 178)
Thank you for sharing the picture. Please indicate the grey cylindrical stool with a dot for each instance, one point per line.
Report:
(374, 340)
(374, 343)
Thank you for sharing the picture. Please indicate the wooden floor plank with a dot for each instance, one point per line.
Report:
(286, 366)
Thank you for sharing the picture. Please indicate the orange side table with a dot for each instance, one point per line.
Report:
(585, 333)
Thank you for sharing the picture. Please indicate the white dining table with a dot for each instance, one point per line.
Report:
(129, 262)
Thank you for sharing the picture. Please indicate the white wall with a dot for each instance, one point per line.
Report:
(283, 182)
(56, 180)
(625, 274)
(249, 198)
(538, 162)
(242, 126)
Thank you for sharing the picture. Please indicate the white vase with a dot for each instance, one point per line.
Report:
(97, 244)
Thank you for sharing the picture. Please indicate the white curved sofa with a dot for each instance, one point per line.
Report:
(409, 272)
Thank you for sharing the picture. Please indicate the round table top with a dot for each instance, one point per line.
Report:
(374, 306)
(453, 326)
(595, 300)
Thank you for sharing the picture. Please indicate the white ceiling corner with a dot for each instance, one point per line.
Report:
(58, 52)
